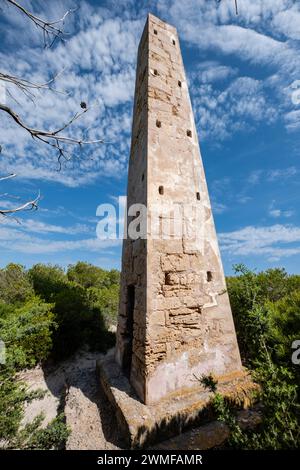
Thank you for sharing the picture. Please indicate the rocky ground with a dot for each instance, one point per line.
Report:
(72, 387)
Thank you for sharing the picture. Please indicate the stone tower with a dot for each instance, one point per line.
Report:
(175, 320)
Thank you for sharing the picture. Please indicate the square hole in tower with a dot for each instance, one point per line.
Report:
(173, 41)
(158, 123)
(189, 133)
(161, 190)
(209, 276)
(155, 32)
(179, 83)
(155, 72)
(198, 196)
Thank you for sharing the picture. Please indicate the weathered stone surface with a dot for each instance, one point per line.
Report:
(209, 435)
(143, 425)
(175, 319)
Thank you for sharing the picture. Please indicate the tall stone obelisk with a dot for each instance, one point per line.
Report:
(175, 319)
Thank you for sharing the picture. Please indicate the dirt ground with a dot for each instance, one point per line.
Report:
(72, 387)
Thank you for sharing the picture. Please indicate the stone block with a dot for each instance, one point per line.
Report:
(175, 263)
(144, 425)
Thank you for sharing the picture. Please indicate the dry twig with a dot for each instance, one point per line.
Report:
(52, 30)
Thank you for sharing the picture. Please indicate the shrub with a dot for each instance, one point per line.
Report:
(27, 332)
(48, 281)
(88, 275)
(34, 437)
(267, 318)
(14, 284)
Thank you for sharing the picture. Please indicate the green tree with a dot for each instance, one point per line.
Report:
(107, 301)
(47, 280)
(26, 331)
(88, 275)
(285, 324)
(35, 437)
(266, 309)
(14, 284)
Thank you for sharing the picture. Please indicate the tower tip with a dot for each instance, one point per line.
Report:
(159, 21)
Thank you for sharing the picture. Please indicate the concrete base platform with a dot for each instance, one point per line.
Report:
(143, 425)
(210, 435)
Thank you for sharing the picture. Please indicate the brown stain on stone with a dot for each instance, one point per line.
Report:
(144, 425)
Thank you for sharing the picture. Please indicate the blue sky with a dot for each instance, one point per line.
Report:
(243, 72)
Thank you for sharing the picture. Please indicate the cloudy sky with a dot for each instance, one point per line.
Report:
(244, 79)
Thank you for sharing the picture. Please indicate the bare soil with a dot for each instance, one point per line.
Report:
(72, 387)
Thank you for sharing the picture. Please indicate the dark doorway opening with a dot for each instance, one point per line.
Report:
(129, 330)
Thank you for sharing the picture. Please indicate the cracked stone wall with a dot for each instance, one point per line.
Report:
(182, 323)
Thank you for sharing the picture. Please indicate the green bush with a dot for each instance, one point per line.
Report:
(12, 398)
(88, 275)
(266, 310)
(14, 284)
(102, 288)
(80, 322)
(85, 303)
(48, 281)
(35, 437)
(285, 322)
(26, 331)
(46, 313)
(107, 301)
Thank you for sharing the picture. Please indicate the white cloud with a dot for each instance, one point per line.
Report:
(212, 71)
(282, 173)
(7, 203)
(240, 106)
(219, 208)
(244, 199)
(99, 68)
(288, 22)
(252, 35)
(36, 226)
(16, 240)
(280, 213)
(276, 212)
(99, 61)
(271, 241)
(276, 174)
(262, 35)
(292, 119)
(255, 176)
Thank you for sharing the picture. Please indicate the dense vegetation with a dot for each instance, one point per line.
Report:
(266, 310)
(46, 314)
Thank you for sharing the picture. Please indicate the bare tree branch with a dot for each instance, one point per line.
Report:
(30, 205)
(52, 138)
(2, 178)
(25, 85)
(51, 29)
